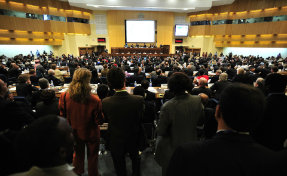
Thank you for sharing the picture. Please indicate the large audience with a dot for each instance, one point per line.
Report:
(219, 115)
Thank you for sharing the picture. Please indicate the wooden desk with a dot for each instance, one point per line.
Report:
(116, 51)
(159, 92)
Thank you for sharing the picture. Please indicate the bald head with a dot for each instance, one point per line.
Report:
(202, 82)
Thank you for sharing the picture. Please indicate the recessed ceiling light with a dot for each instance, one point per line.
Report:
(185, 9)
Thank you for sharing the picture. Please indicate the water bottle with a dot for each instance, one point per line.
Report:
(135, 84)
(150, 84)
(52, 83)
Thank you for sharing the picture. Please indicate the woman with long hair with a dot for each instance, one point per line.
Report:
(83, 111)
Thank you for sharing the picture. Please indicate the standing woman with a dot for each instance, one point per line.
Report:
(83, 111)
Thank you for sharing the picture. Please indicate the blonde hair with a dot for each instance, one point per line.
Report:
(80, 89)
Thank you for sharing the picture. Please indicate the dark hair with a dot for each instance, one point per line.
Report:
(139, 90)
(116, 78)
(43, 83)
(275, 83)
(275, 69)
(102, 91)
(178, 82)
(145, 84)
(23, 78)
(201, 72)
(53, 66)
(241, 106)
(136, 70)
(48, 96)
(39, 144)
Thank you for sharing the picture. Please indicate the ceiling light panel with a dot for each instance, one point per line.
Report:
(154, 5)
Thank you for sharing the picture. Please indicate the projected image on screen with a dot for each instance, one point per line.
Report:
(181, 30)
(140, 31)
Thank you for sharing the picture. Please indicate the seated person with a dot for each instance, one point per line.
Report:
(14, 71)
(242, 77)
(24, 87)
(202, 82)
(139, 75)
(34, 79)
(158, 79)
(105, 71)
(220, 85)
(150, 96)
(48, 104)
(95, 77)
(58, 73)
(274, 118)
(215, 78)
(51, 78)
(200, 75)
(44, 148)
(14, 115)
(232, 151)
(44, 84)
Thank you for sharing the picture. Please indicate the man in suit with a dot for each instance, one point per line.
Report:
(149, 96)
(178, 119)
(124, 113)
(202, 82)
(232, 151)
(272, 131)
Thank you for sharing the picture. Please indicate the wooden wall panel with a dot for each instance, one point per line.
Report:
(116, 26)
(248, 9)
(81, 28)
(30, 35)
(52, 7)
(244, 5)
(242, 38)
(8, 41)
(248, 44)
(241, 29)
(23, 24)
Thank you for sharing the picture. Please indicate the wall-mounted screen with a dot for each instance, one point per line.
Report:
(181, 30)
(140, 31)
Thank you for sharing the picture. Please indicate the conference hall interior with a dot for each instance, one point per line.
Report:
(143, 88)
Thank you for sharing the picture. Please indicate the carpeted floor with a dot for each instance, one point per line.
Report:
(149, 167)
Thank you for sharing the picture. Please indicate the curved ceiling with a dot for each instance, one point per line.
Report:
(185, 6)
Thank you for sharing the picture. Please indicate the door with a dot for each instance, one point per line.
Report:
(85, 50)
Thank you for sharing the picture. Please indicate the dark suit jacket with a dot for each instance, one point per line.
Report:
(124, 113)
(199, 90)
(25, 90)
(214, 79)
(150, 96)
(14, 115)
(226, 154)
(272, 130)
